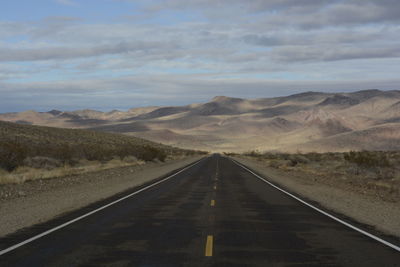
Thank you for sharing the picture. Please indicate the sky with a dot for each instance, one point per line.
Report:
(119, 54)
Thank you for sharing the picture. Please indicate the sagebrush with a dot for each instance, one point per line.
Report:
(69, 146)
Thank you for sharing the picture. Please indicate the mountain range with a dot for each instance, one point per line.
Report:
(310, 121)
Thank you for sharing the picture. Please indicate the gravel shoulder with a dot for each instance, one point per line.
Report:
(33, 202)
(367, 209)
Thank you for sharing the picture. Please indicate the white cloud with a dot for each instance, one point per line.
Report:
(262, 45)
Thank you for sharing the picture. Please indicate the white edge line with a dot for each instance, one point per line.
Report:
(4, 251)
(321, 211)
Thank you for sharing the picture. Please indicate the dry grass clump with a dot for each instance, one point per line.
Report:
(34, 149)
(361, 160)
(24, 173)
(368, 158)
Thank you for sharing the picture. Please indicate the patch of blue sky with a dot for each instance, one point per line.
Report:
(90, 10)
(39, 73)
(16, 39)
(40, 77)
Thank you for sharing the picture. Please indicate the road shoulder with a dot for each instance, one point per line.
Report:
(43, 200)
(382, 215)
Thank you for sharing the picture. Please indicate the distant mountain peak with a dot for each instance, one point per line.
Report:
(308, 93)
(219, 98)
(54, 112)
(339, 99)
(369, 91)
(366, 94)
(225, 99)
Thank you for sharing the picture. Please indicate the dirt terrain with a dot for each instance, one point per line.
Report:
(37, 201)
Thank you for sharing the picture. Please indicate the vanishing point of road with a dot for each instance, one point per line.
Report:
(213, 213)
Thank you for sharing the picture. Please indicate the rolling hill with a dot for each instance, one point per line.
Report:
(310, 121)
(19, 143)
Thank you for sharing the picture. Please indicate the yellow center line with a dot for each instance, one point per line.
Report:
(209, 246)
(212, 203)
(215, 187)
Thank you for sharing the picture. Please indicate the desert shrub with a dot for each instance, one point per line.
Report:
(130, 159)
(385, 173)
(12, 155)
(284, 156)
(367, 158)
(149, 153)
(313, 156)
(253, 153)
(229, 154)
(274, 164)
(64, 153)
(69, 146)
(296, 159)
(269, 155)
(97, 152)
(161, 155)
(42, 162)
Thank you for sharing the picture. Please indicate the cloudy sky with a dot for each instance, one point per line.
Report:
(117, 54)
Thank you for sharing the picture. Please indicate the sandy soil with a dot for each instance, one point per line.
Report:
(367, 209)
(23, 205)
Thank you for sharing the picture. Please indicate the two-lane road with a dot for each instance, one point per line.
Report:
(214, 213)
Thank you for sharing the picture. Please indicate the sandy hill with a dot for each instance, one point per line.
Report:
(310, 121)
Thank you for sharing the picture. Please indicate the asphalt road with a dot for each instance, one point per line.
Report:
(213, 214)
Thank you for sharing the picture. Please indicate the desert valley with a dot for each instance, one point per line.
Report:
(200, 133)
(306, 122)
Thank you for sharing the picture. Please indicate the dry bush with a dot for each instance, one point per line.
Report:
(254, 154)
(22, 174)
(296, 159)
(148, 153)
(275, 164)
(49, 148)
(368, 158)
(39, 162)
(129, 159)
(231, 154)
(12, 155)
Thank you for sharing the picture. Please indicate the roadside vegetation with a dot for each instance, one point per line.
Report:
(32, 152)
(367, 172)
